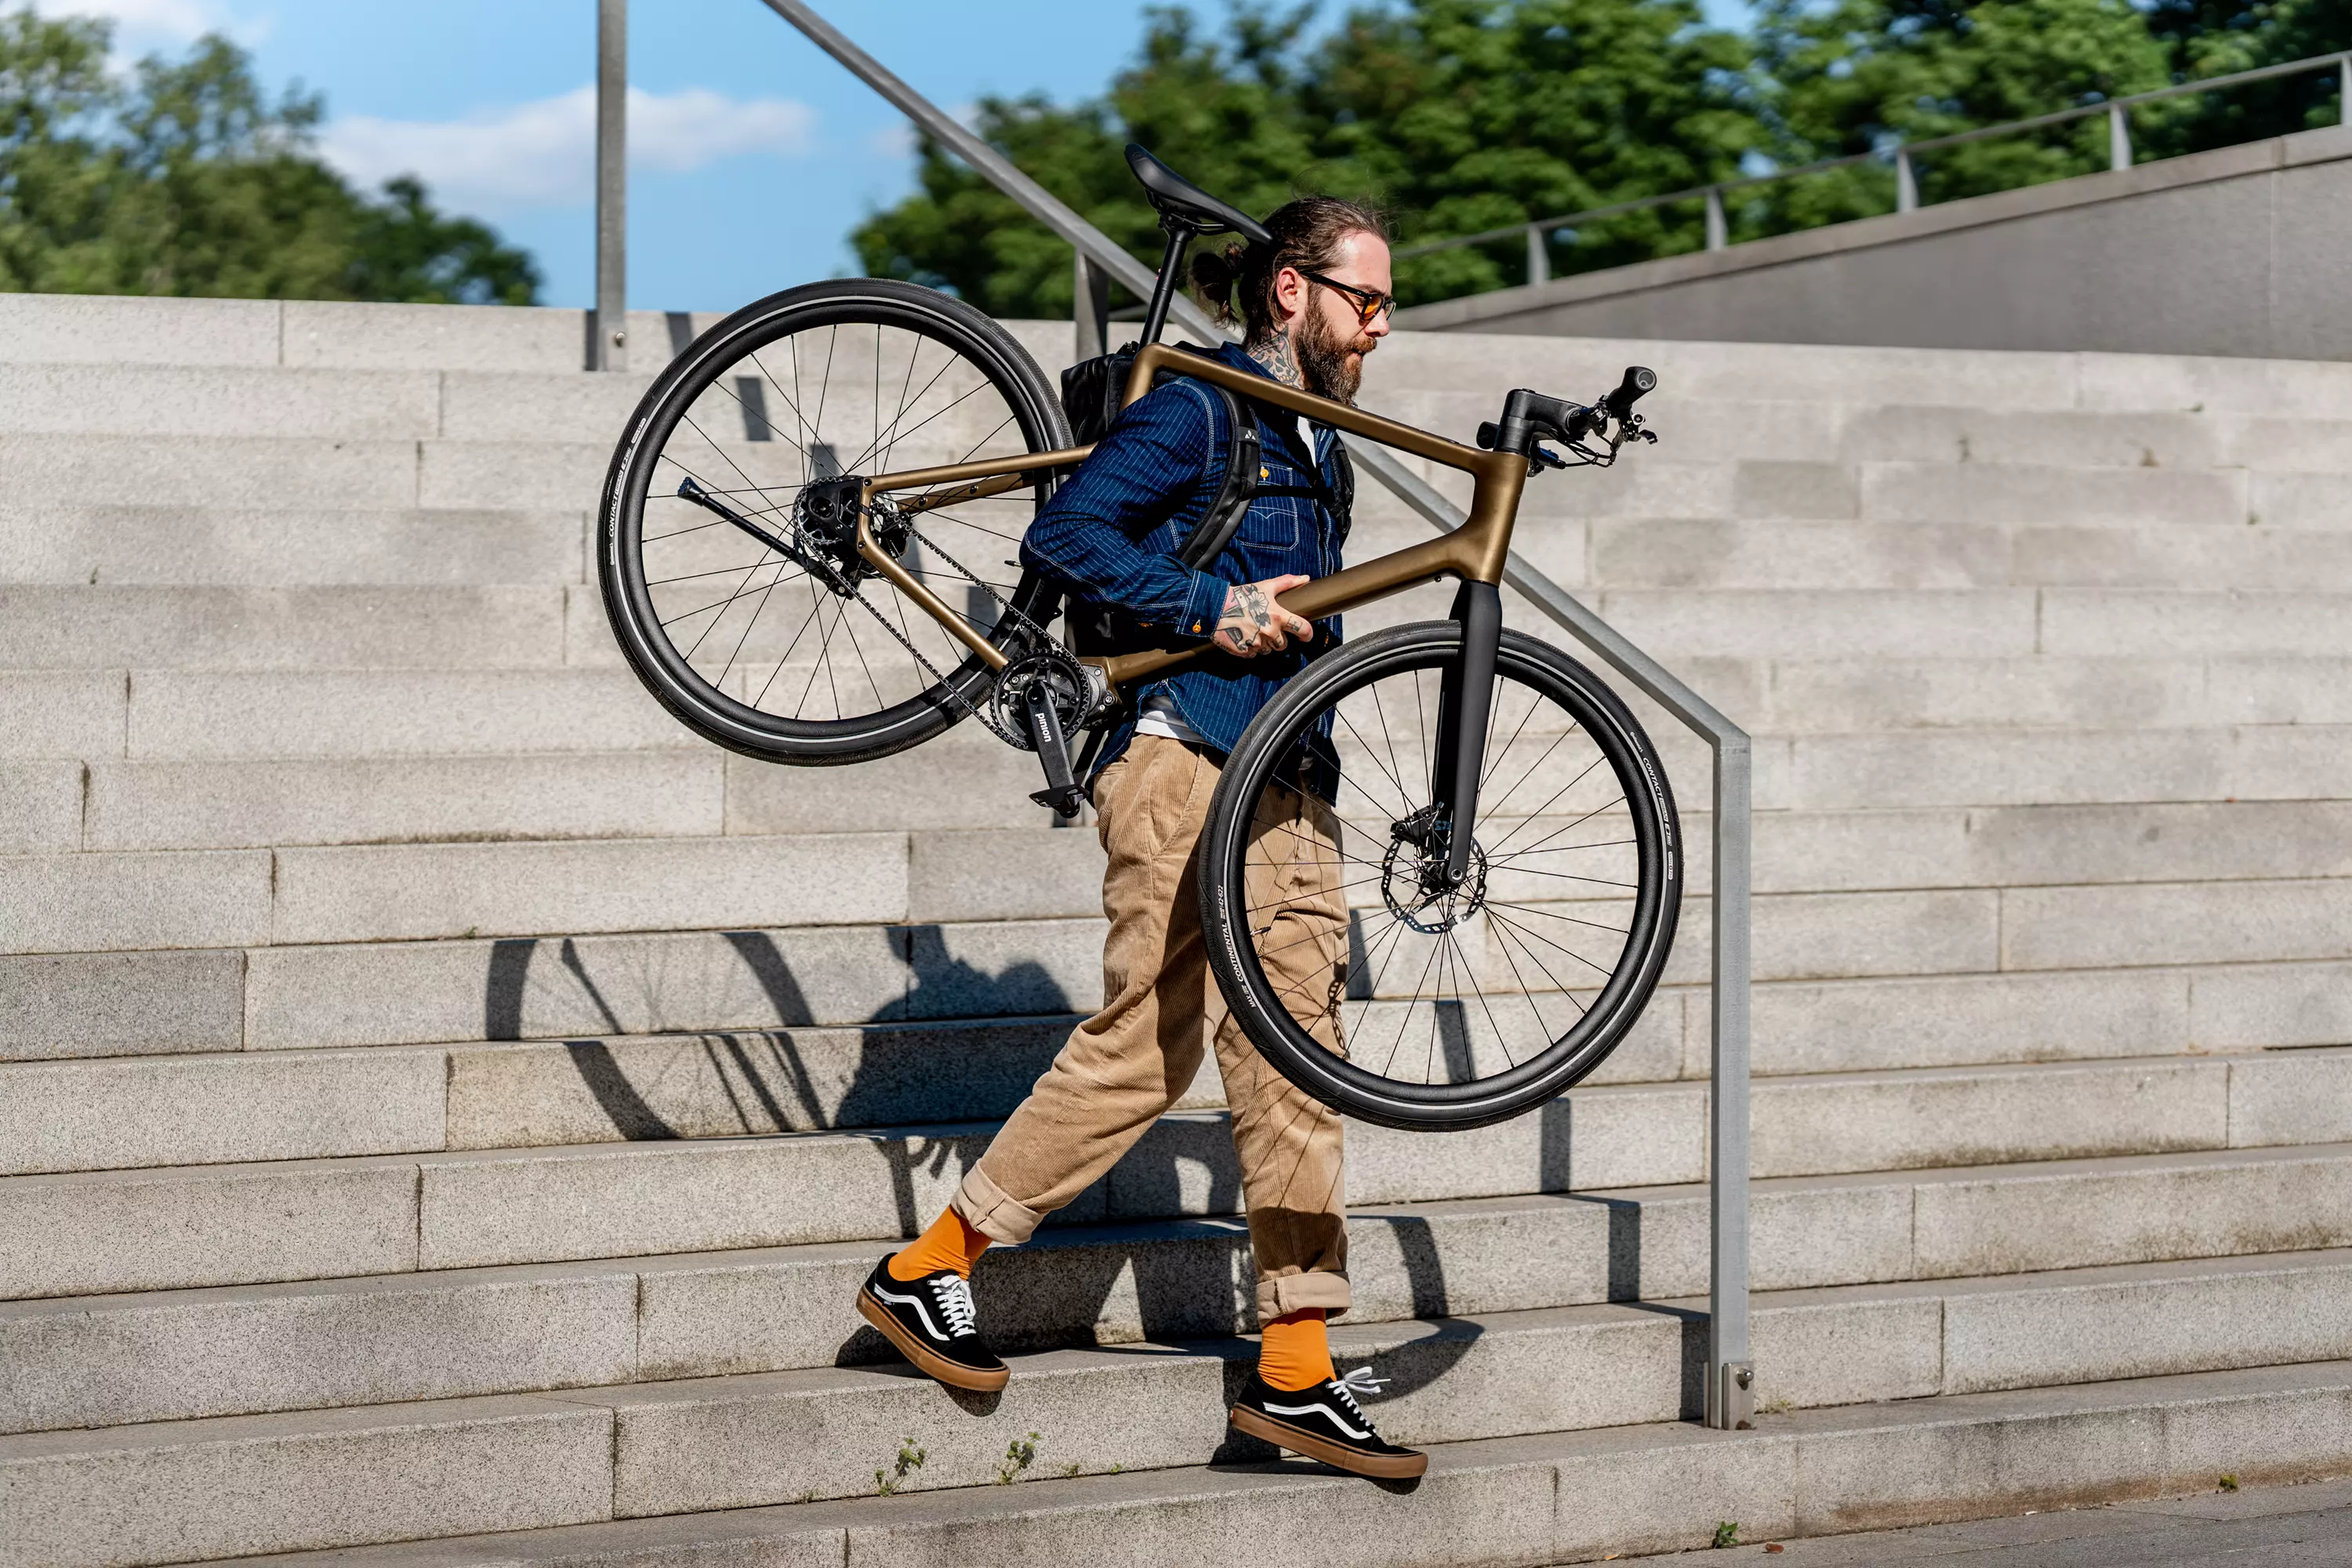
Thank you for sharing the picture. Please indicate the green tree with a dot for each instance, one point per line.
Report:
(1857, 76)
(1468, 115)
(2214, 38)
(187, 179)
(1456, 115)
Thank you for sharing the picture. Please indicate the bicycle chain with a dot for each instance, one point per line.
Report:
(973, 708)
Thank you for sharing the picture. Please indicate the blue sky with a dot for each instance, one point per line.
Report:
(753, 153)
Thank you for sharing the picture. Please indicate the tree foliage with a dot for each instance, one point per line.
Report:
(1454, 115)
(184, 178)
(1458, 116)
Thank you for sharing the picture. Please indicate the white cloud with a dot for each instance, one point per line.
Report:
(544, 153)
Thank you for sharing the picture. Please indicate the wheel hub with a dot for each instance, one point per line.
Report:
(1415, 882)
(825, 515)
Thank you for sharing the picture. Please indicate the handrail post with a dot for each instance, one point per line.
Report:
(1906, 182)
(1538, 255)
(2119, 150)
(609, 339)
(1731, 1375)
(1090, 307)
(1718, 232)
(2343, 91)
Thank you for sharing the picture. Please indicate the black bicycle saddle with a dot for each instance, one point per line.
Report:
(1181, 199)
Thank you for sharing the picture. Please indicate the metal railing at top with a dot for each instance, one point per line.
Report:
(1538, 231)
(1730, 1384)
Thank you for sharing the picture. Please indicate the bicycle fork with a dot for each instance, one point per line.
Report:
(1464, 705)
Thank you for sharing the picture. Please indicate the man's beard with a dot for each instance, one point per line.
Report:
(1323, 358)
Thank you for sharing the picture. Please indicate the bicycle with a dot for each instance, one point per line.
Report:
(1563, 909)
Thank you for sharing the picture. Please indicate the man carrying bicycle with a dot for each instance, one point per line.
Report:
(1312, 304)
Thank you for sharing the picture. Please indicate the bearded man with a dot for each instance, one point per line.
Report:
(1312, 304)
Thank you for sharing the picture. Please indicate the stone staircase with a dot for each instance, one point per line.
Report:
(449, 1107)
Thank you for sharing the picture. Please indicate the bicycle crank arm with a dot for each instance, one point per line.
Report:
(1061, 792)
(821, 571)
(1463, 708)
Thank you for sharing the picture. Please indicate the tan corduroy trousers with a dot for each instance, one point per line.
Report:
(1128, 1063)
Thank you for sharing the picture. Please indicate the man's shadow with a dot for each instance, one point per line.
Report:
(1189, 1279)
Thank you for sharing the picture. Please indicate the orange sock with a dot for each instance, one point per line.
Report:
(948, 1243)
(1296, 1353)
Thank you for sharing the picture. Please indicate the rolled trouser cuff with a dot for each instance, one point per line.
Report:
(994, 1213)
(1287, 1293)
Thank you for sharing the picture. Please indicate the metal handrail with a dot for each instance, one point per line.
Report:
(1730, 1392)
(1906, 186)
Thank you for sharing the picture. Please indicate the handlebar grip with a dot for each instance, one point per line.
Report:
(1639, 379)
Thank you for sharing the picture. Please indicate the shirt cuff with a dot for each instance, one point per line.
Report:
(1203, 605)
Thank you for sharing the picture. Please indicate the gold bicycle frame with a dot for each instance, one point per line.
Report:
(1473, 553)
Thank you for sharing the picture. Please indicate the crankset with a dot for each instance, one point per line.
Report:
(1041, 700)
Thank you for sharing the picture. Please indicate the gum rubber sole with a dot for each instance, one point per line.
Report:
(1401, 1467)
(915, 1351)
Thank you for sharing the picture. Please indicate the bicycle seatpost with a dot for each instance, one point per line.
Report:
(1163, 289)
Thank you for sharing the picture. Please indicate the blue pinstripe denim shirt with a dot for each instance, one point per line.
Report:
(1109, 535)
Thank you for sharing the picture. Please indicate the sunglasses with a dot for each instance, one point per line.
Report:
(1370, 303)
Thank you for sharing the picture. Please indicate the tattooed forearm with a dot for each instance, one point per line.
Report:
(1273, 351)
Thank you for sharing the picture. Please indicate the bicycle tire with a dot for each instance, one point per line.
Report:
(1252, 996)
(687, 693)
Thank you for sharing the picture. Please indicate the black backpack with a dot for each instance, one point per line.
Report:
(1092, 390)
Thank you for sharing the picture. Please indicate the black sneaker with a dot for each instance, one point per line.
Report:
(932, 1322)
(1326, 1423)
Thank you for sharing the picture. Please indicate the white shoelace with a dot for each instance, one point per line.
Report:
(1359, 1382)
(954, 1297)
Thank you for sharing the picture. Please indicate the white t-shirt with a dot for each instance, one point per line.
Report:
(1161, 718)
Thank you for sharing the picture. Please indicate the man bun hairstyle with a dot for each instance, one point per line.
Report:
(1237, 283)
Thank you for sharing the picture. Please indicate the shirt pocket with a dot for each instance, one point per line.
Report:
(1269, 531)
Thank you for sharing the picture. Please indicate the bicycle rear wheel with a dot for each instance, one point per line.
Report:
(727, 545)
(1346, 959)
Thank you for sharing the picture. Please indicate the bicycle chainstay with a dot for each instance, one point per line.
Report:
(1046, 644)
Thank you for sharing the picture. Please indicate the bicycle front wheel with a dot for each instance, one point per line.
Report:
(728, 550)
(1346, 957)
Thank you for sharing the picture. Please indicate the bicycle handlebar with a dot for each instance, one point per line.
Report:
(1530, 418)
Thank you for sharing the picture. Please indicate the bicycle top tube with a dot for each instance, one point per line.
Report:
(1473, 553)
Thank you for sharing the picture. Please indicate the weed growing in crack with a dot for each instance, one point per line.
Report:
(909, 1461)
(1019, 1455)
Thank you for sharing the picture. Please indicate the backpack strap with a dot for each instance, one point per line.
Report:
(1244, 451)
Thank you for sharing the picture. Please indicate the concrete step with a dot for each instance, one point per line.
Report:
(1991, 807)
(367, 893)
(740, 1441)
(712, 1189)
(1829, 1261)
(231, 1225)
(77, 329)
(1673, 554)
(237, 898)
(1977, 623)
(195, 714)
(1554, 1498)
(103, 627)
(377, 712)
(165, 1111)
(132, 806)
(554, 458)
(1832, 695)
(187, 546)
(1861, 770)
